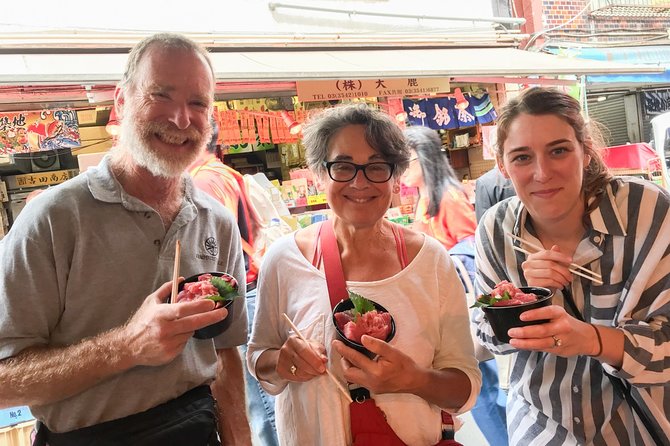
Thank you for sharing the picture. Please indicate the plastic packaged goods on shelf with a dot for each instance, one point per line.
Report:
(403, 220)
(308, 218)
(18, 435)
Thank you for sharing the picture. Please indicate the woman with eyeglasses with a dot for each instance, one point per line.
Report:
(358, 155)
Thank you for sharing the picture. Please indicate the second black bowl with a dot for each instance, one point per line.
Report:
(347, 304)
(216, 329)
(506, 317)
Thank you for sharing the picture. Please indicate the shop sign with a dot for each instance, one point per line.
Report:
(656, 102)
(367, 88)
(40, 179)
(250, 128)
(42, 130)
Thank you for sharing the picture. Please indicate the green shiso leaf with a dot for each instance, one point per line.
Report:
(488, 300)
(483, 300)
(226, 290)
(361, 304)
(216, 298)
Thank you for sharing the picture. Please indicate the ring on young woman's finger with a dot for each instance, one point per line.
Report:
(557, 341)
(293, 369)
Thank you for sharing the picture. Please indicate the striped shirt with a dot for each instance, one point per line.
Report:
(570, 401)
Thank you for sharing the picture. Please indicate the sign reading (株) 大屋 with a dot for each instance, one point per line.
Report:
(339, 89)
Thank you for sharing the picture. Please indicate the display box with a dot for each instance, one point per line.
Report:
(19, 435)
(3, 192)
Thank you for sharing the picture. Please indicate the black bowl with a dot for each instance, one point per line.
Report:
(506, 317)
(347, 304)
(216, 329)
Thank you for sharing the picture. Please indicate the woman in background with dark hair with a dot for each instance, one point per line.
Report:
(600, 336)
(444, 212)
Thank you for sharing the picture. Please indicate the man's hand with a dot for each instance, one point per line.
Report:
(158, 332)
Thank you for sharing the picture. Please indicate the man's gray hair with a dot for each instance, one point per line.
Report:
(162, 40)
(381, 133)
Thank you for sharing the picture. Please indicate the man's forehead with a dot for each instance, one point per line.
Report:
(154, 74)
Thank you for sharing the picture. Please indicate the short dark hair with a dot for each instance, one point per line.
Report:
(211, 145)
(381, 133)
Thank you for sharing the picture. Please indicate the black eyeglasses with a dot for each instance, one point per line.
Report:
(343, 171)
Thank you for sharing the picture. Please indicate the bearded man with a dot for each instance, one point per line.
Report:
(87, 339)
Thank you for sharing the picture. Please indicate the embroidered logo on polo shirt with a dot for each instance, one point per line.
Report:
(211, 246)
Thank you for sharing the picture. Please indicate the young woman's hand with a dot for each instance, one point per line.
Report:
(563, 335)
(548, 268)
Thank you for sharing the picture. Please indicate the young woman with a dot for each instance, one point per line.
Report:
(569, 206)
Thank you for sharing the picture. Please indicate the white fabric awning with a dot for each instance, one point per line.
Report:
(314, 65)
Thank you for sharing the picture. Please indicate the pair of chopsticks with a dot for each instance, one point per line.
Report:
(574, 268)
(339, 385)
(175, 272)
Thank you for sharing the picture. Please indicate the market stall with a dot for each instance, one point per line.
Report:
(635, 160)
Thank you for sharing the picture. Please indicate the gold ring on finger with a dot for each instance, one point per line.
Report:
(557, 341)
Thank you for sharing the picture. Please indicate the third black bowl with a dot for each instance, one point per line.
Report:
(505, 317)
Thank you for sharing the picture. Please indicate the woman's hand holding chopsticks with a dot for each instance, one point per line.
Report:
(548, 268)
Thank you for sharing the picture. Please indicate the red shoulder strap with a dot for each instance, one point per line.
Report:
(400, 246)
(332, 264)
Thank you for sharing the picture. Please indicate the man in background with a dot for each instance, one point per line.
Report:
(87, 339)
(491, 188)
(227, 186)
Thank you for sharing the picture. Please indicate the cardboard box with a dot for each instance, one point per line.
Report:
(3, 192)
(18, 435)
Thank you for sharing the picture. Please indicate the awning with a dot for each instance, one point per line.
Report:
(313, 65)
(657, 56)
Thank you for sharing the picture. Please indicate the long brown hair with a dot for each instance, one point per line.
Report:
(549, 101)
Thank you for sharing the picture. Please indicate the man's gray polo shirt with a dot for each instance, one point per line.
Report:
(82, 257)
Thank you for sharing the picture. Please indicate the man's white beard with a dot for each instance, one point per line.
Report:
(136, 144)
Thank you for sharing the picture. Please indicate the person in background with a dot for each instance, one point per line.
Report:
(33, 194)
(358, 155)
(86, 338)
(599, 335)
(491, 188)
(226, 185)
(444, 212)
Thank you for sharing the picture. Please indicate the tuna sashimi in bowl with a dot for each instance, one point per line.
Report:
(358, 316)
(505, 303)
(220, 287)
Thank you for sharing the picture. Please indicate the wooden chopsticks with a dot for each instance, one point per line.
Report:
(330, 374)
(574, 268)
(175, 272)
